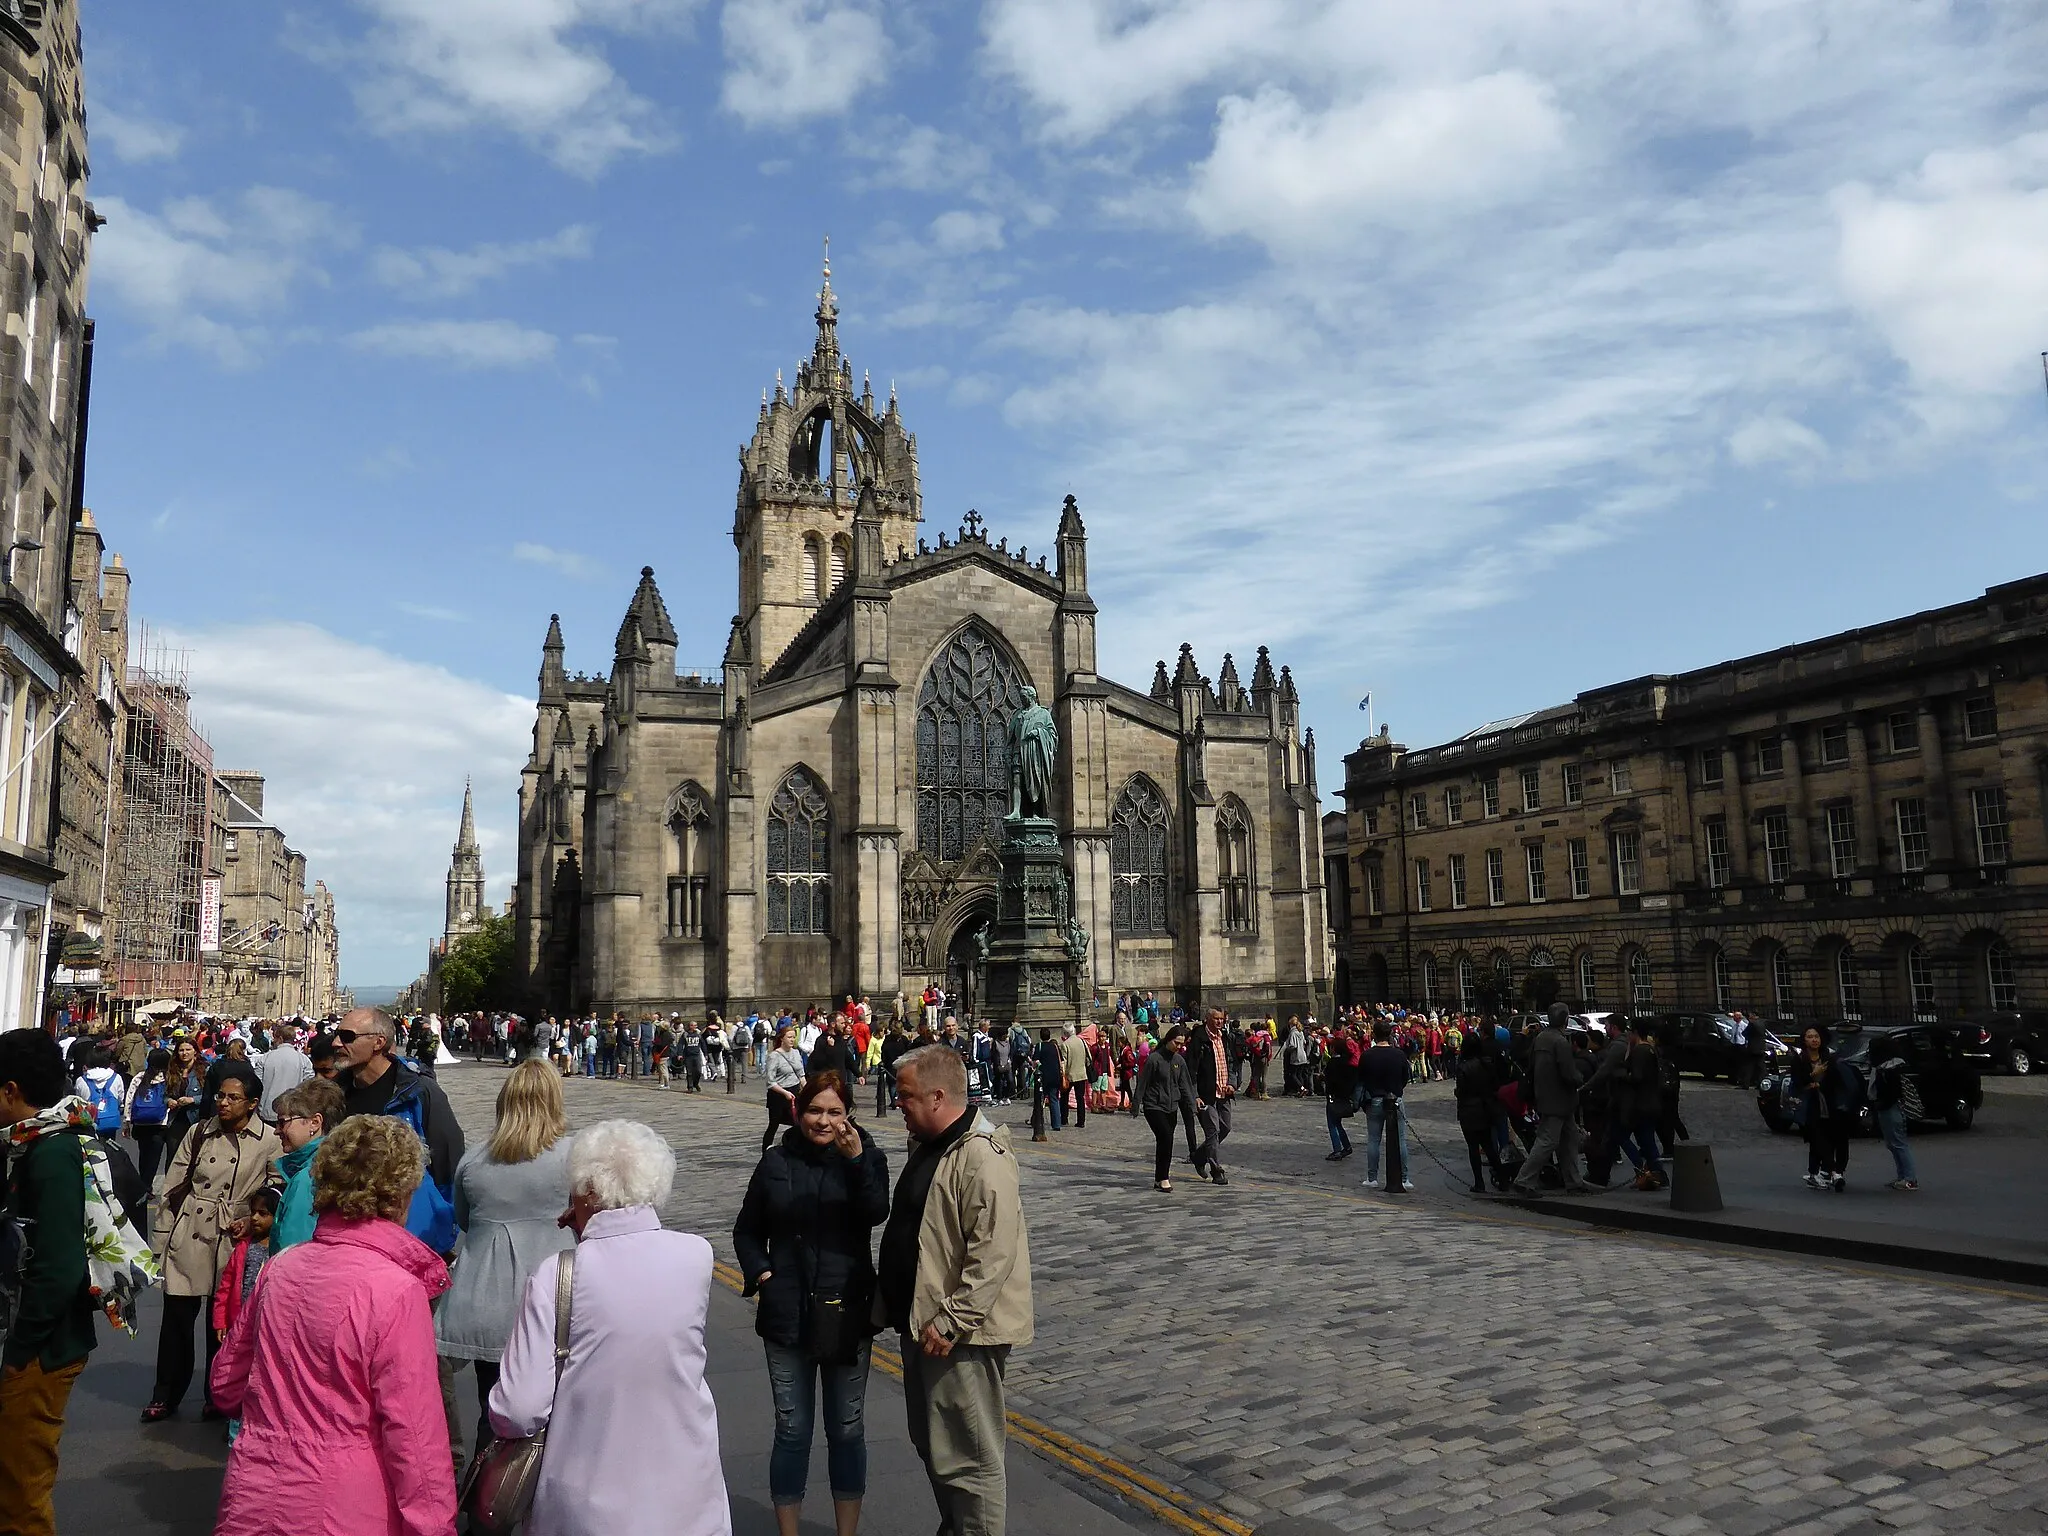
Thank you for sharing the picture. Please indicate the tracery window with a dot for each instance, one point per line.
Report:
(1234, 866)
(691, 846)
(963, 743)
(799, 857)
(1137, 861)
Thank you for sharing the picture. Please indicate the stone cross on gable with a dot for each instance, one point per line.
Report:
(971, 525)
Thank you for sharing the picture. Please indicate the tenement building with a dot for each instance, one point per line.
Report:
(1848, 828)
(45, 360)
(819, 814)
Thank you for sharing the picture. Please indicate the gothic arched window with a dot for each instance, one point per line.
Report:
(842, 556)
(1137, 861)
(799, 857)
(691, 847)
(809, 578)
(963, 743)
(1234, 866)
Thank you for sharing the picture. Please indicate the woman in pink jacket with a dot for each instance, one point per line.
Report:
(333, 1370)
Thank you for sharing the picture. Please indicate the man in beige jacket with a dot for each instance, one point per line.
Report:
(1074, 1068)
(955, 1283)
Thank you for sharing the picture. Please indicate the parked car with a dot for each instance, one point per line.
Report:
(1943, 1063)
(2018, 1041)
(1707, 1043)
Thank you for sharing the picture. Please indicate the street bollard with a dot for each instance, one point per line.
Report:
(1694, 1184)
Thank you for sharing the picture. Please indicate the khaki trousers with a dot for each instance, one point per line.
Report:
(32, 1402)
(958, 1424)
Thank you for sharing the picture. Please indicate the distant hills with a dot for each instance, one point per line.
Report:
(375, 997)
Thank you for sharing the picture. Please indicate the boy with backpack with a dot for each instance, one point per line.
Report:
(103, 1089)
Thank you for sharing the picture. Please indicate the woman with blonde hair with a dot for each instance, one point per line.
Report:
(339, 1433)
(509, 1193)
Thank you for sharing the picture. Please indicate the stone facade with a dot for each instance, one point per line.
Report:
(261, 969)
(1851, 827)
(820, 814)
(89, 744)
(45, 363)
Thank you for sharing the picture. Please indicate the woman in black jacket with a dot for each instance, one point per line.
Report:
(1164, 1090)
(1478, 1091)
(803, 1240)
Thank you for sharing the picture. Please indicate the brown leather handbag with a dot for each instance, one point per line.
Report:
(497, 1489)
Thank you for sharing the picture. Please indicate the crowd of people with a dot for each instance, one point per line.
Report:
(349, 1257)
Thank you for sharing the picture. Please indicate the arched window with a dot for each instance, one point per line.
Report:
(1468, 983)
(1920, 982)
(1642, 992)
(808, 581)
(2001, 976)
(690, 857)
(799, 857)
(842, 556)
(1781, 982)
(1137, 861)
(1848, 984)
(1234, 865)
(1724, 982)
(963, 743)
(1541, 959)
(1430, 981)
(1586, 978)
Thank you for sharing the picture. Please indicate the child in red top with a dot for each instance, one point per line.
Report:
(238, 1280)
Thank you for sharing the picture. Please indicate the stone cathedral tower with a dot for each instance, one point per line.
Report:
(466, 907)
(816, 449)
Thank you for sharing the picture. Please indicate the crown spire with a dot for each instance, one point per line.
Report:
(827, 354)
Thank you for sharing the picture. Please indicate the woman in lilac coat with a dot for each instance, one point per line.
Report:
(633, 1432)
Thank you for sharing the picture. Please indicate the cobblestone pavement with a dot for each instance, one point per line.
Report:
(1293, 1345)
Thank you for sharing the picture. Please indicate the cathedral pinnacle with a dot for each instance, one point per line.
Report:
(465, 840)
(827, 355)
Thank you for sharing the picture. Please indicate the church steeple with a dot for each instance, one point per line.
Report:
(825, 357)
(466, 909)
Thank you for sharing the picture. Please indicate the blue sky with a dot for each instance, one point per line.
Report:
(1470, 355)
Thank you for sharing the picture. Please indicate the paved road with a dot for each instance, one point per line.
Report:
(1293, 1345)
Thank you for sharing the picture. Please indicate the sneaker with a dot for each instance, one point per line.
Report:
(1812, 1181)
(1373, 1182)
(1407, 1188)
(1904, 1184)
(1217, 1174)
(156, 1413)
(1334, 1157)
(1840, 1184)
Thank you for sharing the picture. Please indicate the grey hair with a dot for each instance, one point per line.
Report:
(935, 1066)
(622, 1163)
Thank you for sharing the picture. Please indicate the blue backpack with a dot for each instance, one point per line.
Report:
(431, 1217)
(151, 1105)
(105, 1099)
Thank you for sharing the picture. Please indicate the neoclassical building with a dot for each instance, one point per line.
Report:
(821, 817)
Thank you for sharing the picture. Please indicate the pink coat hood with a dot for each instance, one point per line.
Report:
(332, 1369)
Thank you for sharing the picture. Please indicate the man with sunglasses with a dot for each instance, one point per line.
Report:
(375, 1082)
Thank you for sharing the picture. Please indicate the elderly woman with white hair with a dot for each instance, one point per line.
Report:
(632, 1430)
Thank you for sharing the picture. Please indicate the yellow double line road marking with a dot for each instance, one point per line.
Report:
(1164, 1504)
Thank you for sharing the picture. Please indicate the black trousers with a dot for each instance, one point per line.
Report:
(1161, 1121)
(149, 1151)
(175, 1357)
(1079, 1088)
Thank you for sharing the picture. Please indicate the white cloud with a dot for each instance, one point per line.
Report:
(204, 272)
(435, 272)
(364, 755)
(960, 232)
(526, 67)
(1951, 265)
(1775, 440)
(1291, 178)
(459, 343)
(567, 561)
(136, 140)
(788, 60)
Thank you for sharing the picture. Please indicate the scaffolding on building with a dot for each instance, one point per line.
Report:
(165, 842)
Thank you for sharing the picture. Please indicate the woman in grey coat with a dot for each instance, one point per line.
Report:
(509, 1197)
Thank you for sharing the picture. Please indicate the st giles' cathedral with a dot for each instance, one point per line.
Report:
(823, 818)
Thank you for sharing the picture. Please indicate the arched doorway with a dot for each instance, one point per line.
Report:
(965, 972)
(1377, 988)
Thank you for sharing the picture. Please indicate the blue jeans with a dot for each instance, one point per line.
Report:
(1891, 1124)
(1340, 1139)
(792, 1379)
(1638, 1144)
(1375, 1138)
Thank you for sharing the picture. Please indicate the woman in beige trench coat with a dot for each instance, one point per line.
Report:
(222, 1161)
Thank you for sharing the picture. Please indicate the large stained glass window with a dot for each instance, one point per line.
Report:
(1137, 861)
(963, 743)
(799, 857)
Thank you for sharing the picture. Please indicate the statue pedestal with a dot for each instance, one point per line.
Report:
(1031, 961)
